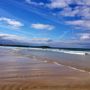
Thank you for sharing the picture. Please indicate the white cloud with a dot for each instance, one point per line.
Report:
(85, 36)
(10, 37)
(34, 3)
(70, 8)
(52, 4)
(68, 12)
(71, 43)
(11, 22)
(42, 26)
(66, 3)
(80, 23)
(41, 39)
(81, 10)
(57, 4)
(18, 40)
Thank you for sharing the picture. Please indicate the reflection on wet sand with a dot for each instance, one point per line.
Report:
(19, 72)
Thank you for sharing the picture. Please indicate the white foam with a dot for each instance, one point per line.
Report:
(76, 69)
(80, 70)
(63, 51)
(45, 61)
(75, 52)
(57, 63)
(73, 68)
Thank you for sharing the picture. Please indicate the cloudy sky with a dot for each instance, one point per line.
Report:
(60, 23)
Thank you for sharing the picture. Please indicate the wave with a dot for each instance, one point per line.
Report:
(76, 52)
(64, 51)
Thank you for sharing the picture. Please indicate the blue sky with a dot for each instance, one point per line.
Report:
(60, 23)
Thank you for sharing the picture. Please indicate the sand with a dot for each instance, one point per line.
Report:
(19, 72)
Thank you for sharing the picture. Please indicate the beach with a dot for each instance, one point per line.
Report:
(23, 69)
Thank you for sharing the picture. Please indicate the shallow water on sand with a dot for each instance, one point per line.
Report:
(22, 69)
(78, 61)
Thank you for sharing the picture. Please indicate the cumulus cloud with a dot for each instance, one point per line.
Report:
(77, 11)
(71, 43)
(18, 40)
(80, 23)
(10, 22)
(34, 3)
(57, 4)
(11, 37)
(74, 9)
(42, 26)
(66, 3)
(39, 40)
(84, 36)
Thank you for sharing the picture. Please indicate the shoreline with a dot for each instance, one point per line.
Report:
(67, 51)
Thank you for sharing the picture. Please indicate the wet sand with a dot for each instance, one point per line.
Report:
(19, 72)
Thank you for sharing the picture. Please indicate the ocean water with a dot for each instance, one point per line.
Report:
(76, 59)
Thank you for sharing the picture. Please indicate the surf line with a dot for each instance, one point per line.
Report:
(58, 64)
(70, 67)
(76, 69)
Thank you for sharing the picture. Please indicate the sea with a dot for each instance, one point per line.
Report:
(79, 59)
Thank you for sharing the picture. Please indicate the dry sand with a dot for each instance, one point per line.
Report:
(25, 73)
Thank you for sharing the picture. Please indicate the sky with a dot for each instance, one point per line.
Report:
(57, 23)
